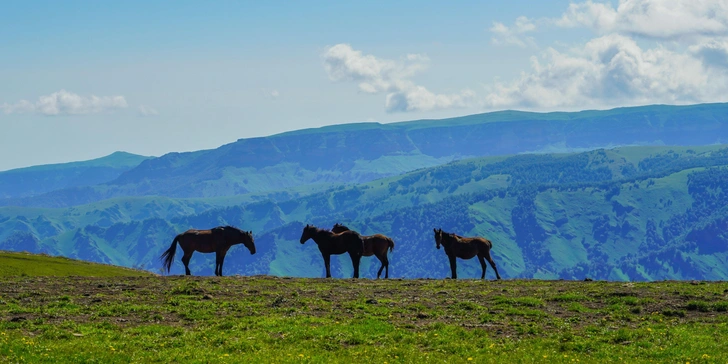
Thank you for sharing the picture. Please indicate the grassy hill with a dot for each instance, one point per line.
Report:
(269, 319)
(357, 153)
(13, 264)
(633, 213)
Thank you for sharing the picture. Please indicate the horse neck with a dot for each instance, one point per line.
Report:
(321, 236)
(235, 241)
(448, 240)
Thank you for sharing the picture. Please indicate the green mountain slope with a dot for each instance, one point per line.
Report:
(24, 264)
(637, 213)
(31, 181)
(357, 153)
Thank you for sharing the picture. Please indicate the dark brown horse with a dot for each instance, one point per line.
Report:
(376, 245)
(457, 246)
(330, 243)
(217, 240)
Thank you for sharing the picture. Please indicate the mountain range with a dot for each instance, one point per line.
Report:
(623, 194)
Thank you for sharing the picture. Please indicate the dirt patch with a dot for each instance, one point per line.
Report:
(502, 308)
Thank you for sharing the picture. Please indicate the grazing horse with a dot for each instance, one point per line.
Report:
(217, 240)
(376, 244)
(331, 243)
(457, 246)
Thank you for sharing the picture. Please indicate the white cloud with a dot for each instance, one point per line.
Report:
(659, 19)
(514, 35)
(147, 111)
(274, 94)
(714, 53)
(374, 75)
(610, 71)
(614, 69)
(66, 103)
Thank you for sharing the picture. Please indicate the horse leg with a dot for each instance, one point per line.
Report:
(222, 261)
(492, 264)
(382, 260)
(386, 266)
(355, 259)
(186, 261)
(482, 265)
(327, 263)
(453, 266)
(218, 263)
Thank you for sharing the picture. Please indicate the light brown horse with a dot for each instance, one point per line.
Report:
(457, 246)
(376, 245)
(217, 240)
(331, 243)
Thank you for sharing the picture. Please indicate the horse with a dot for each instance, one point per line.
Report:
(376, 245)
(330, 243)
(217, 240)
(457, 246)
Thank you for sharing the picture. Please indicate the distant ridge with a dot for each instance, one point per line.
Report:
(35, 180)
(116, 159)
(361, 152)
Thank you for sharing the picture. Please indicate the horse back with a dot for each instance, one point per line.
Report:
(196, 232)
(201, 240)
(476, 241)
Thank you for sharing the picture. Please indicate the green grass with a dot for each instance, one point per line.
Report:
(267, 319)
(26, 265)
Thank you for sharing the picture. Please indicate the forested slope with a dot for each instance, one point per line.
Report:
(637, 213)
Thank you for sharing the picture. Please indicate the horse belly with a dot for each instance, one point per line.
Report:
(467, 253)
(205, 248)
(338, 250)
(202, 243)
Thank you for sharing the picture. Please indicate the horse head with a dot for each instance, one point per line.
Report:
(308, 232)
(338, 228)
(448, 238)
(248, 241)
(438, 237)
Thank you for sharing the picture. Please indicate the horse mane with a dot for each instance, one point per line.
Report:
(341, 226)
(231, 228)
(451, 236)
(318, 229)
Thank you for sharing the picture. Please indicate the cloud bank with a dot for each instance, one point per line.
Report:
(374, 76)
(658, 19)
(66, 103)
(614, 69)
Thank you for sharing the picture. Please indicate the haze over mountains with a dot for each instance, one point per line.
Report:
(355, 153)
(651, 209)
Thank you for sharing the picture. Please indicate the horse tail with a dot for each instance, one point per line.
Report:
(390, 242)
(168, 256)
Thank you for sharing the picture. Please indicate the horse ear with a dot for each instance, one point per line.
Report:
(433, 229)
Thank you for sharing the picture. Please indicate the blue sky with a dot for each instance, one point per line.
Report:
(79, 80)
